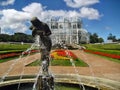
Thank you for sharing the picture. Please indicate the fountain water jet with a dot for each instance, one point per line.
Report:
(14, 63)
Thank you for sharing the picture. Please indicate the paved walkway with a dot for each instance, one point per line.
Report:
(98, 67)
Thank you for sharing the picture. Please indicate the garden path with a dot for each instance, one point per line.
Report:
(98, 66)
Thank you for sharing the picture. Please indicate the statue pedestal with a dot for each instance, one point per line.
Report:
(45, 83)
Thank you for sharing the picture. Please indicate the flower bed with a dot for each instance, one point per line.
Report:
(104, 54)
(2, 56)
(61, 54)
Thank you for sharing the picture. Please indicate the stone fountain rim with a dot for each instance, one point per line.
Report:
(67, 78)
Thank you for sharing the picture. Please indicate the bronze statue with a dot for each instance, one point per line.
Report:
(46, 81)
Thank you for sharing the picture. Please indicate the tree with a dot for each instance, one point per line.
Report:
(95, 39)
(4, 37)
(100, 40)
(111, 37)
(17, 37)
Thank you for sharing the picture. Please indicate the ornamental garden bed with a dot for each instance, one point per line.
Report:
(61, 57)
(108, 50)
(12, 51)
(12, 55)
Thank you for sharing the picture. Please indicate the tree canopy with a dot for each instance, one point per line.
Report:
(94, 38)
(17, 37)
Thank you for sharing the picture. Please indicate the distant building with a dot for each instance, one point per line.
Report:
(109, 41)
(68, 29)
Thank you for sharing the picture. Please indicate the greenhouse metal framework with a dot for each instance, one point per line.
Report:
(68, 29)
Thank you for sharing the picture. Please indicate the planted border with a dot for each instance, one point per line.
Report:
(14, 54)
(104, 54)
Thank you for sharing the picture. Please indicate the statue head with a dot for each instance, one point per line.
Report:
(39, 28)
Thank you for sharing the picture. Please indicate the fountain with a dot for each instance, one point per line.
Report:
(44, 81)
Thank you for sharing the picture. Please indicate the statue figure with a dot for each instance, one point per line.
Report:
(46, 81)
(42, 29)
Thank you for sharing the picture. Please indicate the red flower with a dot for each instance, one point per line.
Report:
(104, 54)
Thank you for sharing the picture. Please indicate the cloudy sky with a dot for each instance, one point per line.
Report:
(98, 16)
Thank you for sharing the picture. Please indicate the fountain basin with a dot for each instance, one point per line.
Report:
(70, 79)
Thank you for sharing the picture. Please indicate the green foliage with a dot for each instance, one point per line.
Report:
(4, 37)
(17, 37)
(95, 39)
(111, 37)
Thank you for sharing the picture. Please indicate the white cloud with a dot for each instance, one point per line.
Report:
(35, 9)
(89, 13)
(108, 28)
(6, 2)
(15, 21)
(80, 3)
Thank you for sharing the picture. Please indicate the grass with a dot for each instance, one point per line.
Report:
(106, 48)
(10, 48)
(12, 58)
(10, 51)
(8, 59)
(7, 48)
(60, 63)
(110, 59)
(13, 46)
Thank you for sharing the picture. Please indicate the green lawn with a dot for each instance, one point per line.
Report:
(11, 48)
(110, 59)
(7, 48)
(107, 48)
